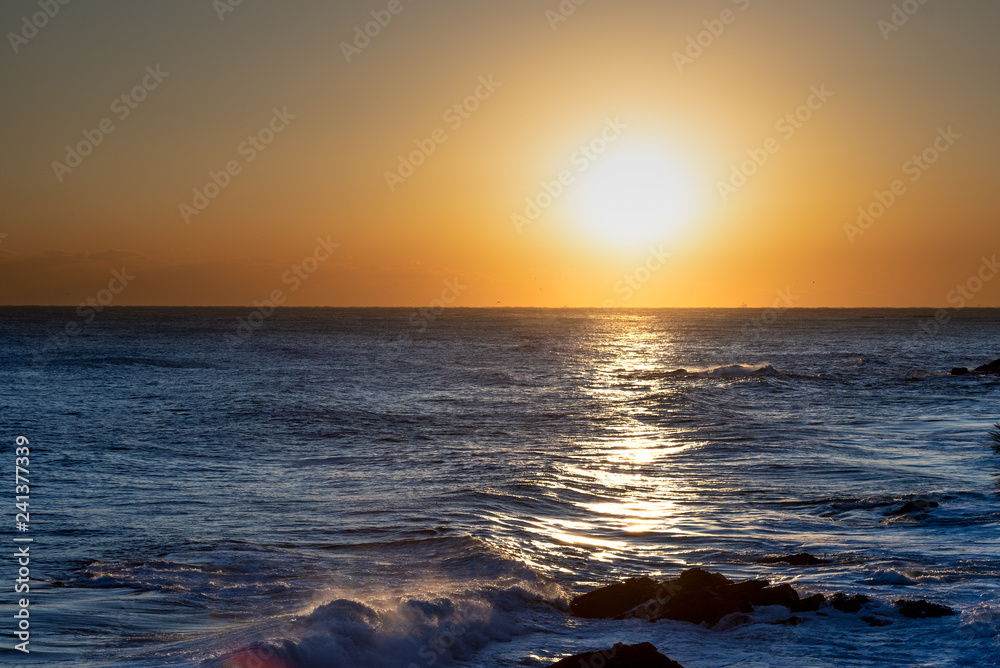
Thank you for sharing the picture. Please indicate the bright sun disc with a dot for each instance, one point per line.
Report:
(633, 195)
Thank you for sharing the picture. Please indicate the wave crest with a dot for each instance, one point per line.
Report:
(410, 633)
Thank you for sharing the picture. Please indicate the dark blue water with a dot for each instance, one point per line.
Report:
(348, 491)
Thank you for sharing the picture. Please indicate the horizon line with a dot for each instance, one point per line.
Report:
(500, 308)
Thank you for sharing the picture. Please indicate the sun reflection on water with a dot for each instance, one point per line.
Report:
(621, 492)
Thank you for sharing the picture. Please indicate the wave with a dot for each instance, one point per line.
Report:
(740, 371)
(400, 633)
(724, 371)
(888, 577)
(238, 579)
(983, 621)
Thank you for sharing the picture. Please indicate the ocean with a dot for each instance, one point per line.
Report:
(362, 488)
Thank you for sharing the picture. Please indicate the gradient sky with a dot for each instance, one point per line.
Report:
(324, 174)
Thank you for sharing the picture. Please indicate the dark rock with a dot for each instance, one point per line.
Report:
(643, 655)
(872, 620)
(780, 595)
(699, 578)
(732, 621)
(615, 600)
(696, 596)
(922, 609)
(749, 590)
(959, 371)
(993, 368)
(801, 559)
(916, 506)
(791, 621)
(701, 607)
(809, 604)
(846, 603)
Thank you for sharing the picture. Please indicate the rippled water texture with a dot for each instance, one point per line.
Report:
(346, 499)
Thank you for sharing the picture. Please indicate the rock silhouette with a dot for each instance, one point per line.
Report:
(993, 368)
(643, 655)
(846, 603)
(696, 596)
(700, 597)
(922, 609)
(801, 559)
(614, 600)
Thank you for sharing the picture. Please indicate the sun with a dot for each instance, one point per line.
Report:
(635, 194)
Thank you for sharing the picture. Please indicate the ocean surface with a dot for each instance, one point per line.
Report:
(344, 489)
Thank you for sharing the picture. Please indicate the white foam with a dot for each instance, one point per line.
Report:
(407, 633)
(982, 621)
(888, 577)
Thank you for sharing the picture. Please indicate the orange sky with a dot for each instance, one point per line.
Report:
(209, 80)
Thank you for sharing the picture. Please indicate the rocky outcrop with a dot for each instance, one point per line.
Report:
(696, 596)
(872, 620)
(615, 600)
(991, 369)
(801, 559)
(700, 597)
(643, 655)
(791, 621)
(846, 603)
(922, 609)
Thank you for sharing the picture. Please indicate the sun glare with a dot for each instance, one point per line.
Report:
(635, 194)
